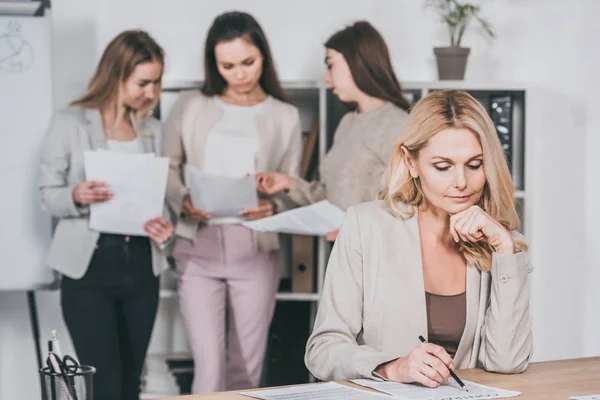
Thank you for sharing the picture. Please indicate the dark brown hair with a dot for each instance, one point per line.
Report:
(368, 57)
(121, 56)
(230, 26)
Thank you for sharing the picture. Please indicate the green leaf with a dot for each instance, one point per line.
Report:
(457, 16)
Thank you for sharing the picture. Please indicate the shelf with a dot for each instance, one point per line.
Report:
(519, 194)
(23, 8)
(282, 296)
(289, 296)
(464, 85)
(177, 85)
(167, 294)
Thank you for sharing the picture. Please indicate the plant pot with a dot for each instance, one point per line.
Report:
(451, 62)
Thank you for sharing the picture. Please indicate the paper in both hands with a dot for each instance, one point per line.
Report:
(446, 391)
(318, 219)
(138, 184)
(221, 196)
(321, 391)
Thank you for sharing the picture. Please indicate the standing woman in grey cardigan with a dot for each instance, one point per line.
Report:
(237, 125)
(360, 74)
(109, 292)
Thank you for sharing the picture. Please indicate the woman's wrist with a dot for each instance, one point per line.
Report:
(506, 247)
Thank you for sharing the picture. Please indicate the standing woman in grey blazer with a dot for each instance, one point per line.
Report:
(237, 125)
(437, 256)
(360, 74)
(110, 289)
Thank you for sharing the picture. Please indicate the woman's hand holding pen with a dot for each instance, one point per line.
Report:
(192, 213)
(265, 208)
(89, 192)
(474, 225)
(428, 364)
(159, 229)
(272, 182)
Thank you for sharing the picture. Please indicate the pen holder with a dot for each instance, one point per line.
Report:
(77, 384)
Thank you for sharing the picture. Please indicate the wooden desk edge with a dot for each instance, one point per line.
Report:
(542, 374)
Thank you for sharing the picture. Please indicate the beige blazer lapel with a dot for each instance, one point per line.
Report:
(416, 289)
(95, 129)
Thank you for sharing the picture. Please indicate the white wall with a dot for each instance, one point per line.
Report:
(548, 46)
(592, 210)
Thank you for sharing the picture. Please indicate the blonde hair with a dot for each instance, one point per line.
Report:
(451, 109)
(121, 56)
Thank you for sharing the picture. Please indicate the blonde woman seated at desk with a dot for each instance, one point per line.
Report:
(437, 256)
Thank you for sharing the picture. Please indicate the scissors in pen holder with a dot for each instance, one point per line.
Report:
(68, 365)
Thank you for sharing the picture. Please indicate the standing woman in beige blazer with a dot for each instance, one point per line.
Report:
(109, 292)
(237, 125)
(437, 256)
(360, 74)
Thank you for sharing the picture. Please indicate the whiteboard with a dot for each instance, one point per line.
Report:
(25, 111)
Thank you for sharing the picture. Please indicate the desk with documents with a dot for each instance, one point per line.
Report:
(546, 380)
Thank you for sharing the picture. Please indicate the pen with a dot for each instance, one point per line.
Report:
(56, 345)
(55, 365)
(456, 378)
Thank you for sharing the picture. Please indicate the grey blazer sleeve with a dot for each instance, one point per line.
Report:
(173, 149)
(56, 193)
(506, 339)
(304, 193)
(332, 351)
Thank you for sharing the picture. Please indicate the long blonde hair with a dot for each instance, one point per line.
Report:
(121, 56)
(450, 109)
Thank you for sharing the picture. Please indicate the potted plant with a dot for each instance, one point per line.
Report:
(456, 15)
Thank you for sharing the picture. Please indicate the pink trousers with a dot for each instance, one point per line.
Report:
(227, 298)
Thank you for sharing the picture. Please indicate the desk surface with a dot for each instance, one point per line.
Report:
(547, 380)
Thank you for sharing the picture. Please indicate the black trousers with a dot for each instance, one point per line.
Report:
(110, 313)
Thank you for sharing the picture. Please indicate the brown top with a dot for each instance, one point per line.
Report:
(446, 317)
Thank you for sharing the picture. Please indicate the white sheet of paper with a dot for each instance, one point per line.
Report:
(446, 391)
(315, 220)
(221, 196)
(320, 391)
(593, 397)
(138, 183)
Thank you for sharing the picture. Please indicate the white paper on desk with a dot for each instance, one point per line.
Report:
(317, 391)
(318, 219)
(138, 183)
(593, 397)
(446, 391)
(221, 196)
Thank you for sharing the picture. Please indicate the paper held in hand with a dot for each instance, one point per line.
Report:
(218, 195)
(318, 219)
(138, 183)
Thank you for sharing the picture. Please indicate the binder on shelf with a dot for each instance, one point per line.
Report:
(303, 247)
(24, 8)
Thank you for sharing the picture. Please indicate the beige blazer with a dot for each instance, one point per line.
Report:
(72, 131)
(192, 119)
(373, 304)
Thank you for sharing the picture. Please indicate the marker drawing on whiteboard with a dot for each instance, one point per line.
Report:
(16, 53)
